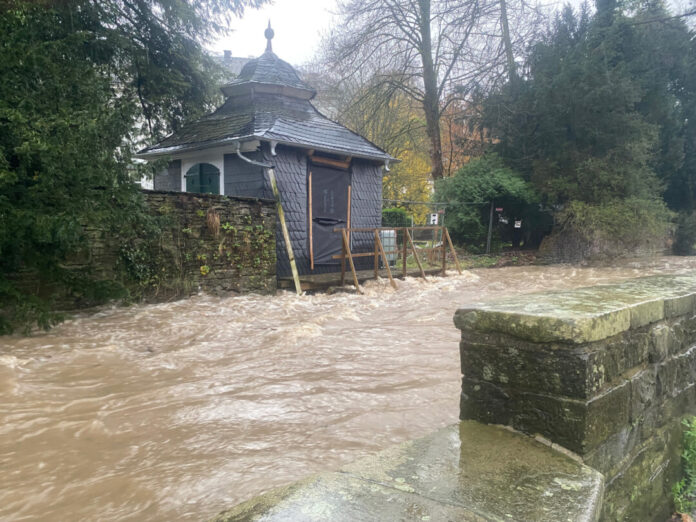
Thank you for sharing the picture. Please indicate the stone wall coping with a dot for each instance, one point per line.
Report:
(468, 471)
(585, 314)
(208, 196)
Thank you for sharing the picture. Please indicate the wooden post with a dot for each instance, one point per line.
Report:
(490, 229)
(284, 228)
(343, 264)
(404, 232)
(415, 254)
(444, 251)
(311, 224)
(348, 224)
(377, 255)
(344, 234)
(378, 242)
(454, 252)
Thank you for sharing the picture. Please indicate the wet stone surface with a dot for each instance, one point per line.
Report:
(468, 471)
(607, 372)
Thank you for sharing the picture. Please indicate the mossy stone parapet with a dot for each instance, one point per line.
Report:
(607, 372)
(466, 472)
(586, 314)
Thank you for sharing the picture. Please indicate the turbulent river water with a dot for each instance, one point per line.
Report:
(176, 411)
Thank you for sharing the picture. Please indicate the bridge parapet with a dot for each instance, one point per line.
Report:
(608, 372)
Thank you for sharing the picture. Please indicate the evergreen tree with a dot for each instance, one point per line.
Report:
(80, 82)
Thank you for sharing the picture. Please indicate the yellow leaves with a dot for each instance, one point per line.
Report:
(410, 181)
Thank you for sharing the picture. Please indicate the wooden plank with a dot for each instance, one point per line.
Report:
(378, 242)
(444, 251)
(454, 253)
(400, 251)
(344, 234)
(388, 228)
(376, 255)
(284, 228)
(330, 162)
(405, 252)
(415, 254)
(343, 263)
(360, 254)
(311, 224)
(348, 225)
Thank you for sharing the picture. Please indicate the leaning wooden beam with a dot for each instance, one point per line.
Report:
(454, 253)
(415, 253)
(284, 228)
(311, 223)
(350, 260)
(378, 242)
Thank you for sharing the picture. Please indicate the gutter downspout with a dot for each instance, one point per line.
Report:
(270, 170)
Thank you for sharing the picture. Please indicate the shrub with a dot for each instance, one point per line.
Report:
(684, 490)
(685, 238)
(468, 195)
(627, 223)
(395, 217)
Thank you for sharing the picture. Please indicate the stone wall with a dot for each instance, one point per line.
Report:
(607, 372)
(194, 242)
(214, 243)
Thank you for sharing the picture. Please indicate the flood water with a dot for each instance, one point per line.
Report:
(177, 411)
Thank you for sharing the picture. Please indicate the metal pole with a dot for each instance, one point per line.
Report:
(490, 229)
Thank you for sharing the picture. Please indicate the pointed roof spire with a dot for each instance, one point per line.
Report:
(269, 34)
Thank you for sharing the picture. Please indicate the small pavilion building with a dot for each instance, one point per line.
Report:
(328, 176)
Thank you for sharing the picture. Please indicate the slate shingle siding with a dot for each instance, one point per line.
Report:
(366, 209)
(244, 179)
(291, 177)
(170, 179)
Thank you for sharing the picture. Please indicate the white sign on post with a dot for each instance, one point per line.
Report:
(434, 219)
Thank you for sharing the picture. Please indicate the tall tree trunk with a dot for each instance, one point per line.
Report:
(431, 98)
(512, 73)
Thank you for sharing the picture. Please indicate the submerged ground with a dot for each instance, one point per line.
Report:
(179, 410)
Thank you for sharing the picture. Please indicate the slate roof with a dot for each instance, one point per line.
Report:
(272, 118)
(268, 69)
(268, 101)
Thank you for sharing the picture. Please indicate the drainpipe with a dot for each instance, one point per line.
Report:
(270, 170)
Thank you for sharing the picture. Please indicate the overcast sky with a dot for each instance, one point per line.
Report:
(298, 25)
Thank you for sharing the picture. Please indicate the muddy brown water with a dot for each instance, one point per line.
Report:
(179, 410)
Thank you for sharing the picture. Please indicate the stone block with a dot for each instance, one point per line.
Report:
(468, 472)
(660, 337)
(680, 306)
(555, 370)
(578, 425)
(643, 392)
(647, 312)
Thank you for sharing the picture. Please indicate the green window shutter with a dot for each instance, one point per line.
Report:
(203, 178)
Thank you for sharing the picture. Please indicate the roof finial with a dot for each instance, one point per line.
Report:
(269, 34)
